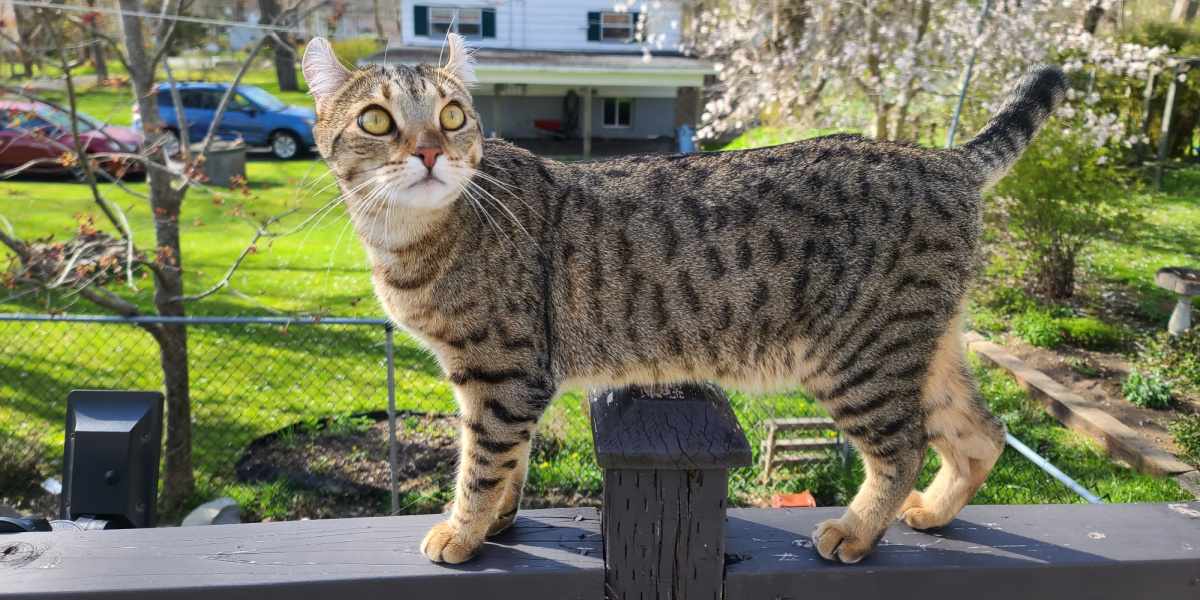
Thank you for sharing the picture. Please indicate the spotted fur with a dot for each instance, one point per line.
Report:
(837, 264)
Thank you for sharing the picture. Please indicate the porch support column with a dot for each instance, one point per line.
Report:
(496, 91)
(586, 122)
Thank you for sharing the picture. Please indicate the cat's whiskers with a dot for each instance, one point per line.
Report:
(369, 203)
(486, 214)
(496, 201)
(510, 189)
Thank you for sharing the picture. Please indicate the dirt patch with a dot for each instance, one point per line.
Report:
(344, 464)
(1097, 376)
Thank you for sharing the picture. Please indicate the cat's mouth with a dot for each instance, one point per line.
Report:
(429, 179)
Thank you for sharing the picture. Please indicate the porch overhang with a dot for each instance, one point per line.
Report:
(504, 66)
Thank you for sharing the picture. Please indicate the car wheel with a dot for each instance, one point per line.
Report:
(284, 145)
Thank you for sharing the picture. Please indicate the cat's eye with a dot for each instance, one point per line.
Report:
(452, 117)
(376, 121)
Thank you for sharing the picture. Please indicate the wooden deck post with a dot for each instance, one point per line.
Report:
(666, 454)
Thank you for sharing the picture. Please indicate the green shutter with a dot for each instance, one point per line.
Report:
(420, 20)
(489, 22)
(593, 24)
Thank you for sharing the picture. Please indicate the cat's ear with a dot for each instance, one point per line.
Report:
(322, 70)
(460, 60)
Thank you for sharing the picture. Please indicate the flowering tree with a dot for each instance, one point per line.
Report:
(886, 66)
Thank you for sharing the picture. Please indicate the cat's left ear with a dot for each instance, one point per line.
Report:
(460, 61)
(322, 70)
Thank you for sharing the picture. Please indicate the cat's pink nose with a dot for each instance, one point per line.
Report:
(429, 155)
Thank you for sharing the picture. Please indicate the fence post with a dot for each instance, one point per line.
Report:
(666, 454)
(393, 483)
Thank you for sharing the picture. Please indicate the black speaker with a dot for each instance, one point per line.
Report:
(110, 458)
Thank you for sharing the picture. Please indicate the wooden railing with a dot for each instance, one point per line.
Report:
(665, 533)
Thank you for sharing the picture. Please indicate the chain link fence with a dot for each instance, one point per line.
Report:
(290, 415)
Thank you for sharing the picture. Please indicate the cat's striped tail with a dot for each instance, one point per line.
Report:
(1010, 130)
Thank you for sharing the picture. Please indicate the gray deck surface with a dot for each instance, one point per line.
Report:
(342, 559)
(1128, 551)
(1064, 552)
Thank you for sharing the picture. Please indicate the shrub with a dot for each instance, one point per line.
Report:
(1092, 333)
(1147, 390)
(1176, 357)
(1187, 434)
(1061, 195)
(1039, 328)
(1009, 300)
(352, 50)
(987, 320)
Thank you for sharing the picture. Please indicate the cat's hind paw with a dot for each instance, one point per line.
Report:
(915, 514)
(444, 544)
(836, 542)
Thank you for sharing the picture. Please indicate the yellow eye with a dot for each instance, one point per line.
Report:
(452, 117)
(376, 121)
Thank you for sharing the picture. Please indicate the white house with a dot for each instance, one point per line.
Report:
(565, 76)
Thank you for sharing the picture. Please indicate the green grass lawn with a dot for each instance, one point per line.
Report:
(251, 380)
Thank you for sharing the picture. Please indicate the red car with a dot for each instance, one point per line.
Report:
(32, 130)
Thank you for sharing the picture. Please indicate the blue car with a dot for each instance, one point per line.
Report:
(253, 115)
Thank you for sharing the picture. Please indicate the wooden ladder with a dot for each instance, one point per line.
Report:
(779, 450)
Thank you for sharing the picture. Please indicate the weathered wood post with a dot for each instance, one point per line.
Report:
(666, 454)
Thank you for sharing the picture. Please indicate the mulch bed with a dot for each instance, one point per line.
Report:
(346, 469)
(1104, 387)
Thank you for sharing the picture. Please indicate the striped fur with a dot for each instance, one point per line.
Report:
(838, 264)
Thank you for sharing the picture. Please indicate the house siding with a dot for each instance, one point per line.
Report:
(548, 24)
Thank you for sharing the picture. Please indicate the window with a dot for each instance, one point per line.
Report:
(618, 27)
(258, 96)
(471, 23)
(618, 112)
(200, 99)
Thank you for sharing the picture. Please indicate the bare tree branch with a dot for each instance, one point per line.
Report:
(261, 231)
(166, 31)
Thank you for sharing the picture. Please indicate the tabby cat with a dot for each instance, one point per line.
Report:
(837, 264)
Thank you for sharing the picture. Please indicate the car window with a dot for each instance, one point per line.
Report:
(239, 103)
(264, 100)
(62, 121)
(192, 98)
(200, 99)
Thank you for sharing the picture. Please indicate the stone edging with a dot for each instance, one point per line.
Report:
(1087, 417)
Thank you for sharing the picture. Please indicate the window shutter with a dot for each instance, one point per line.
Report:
(634, 21)
(593, 24)
(420, 20)
(489, 22)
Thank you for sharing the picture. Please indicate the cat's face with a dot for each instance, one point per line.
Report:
(396, 137)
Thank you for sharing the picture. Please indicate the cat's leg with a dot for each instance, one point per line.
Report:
(891, 473)
(967, 437)
(498, 411)
(511, 500)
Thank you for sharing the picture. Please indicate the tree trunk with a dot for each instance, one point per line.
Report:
(1184, 11)
(179, 480)
(378, 22)
(285, 58)
(98, 58)
(1056, 273)
(1092, 16)
(25, 28)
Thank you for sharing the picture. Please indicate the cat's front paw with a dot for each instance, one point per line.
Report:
(835, 541)
(445, 544)
(503, 523)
